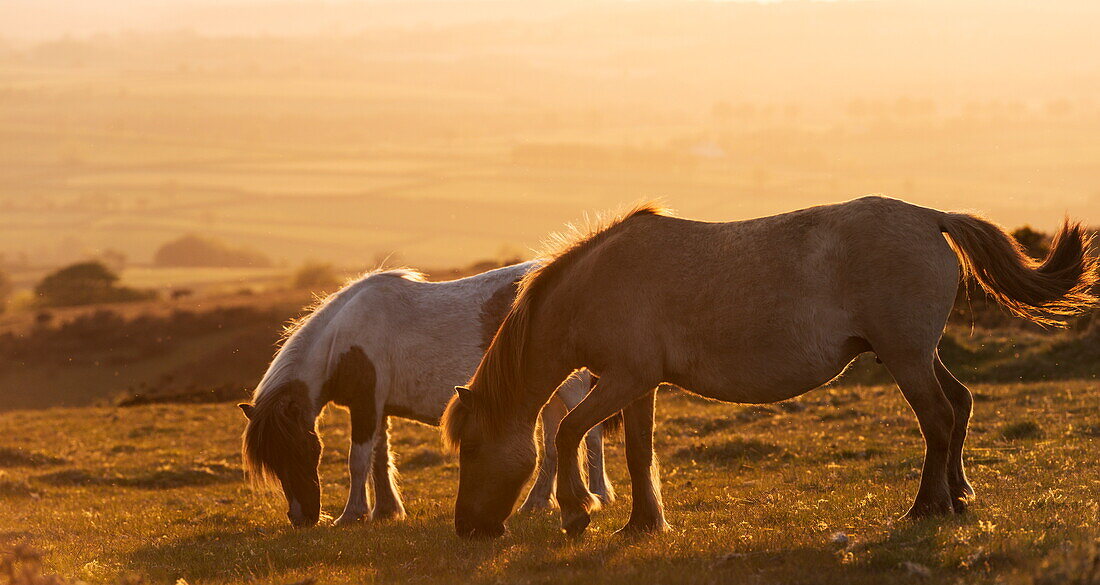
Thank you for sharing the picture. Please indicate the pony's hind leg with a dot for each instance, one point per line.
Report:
(962, 402)
(598, 482)
(387, 498)
(647, 513)
(541, 496)
(915, 374)
(610, 395)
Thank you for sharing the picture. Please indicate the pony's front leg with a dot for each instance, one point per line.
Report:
(541, 496)
(610, 395)
(647, 513)
(359, 464)
(387, 499)
(364, 436)
(570, 394)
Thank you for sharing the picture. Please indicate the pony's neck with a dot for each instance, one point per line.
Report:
(308, 353)
(287, 368)
(520, 399)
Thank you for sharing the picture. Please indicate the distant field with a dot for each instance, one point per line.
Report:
(103, 157)
(754, 495)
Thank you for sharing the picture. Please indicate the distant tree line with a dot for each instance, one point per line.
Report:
(92, 282)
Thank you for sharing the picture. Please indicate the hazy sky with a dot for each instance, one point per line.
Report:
(22, 20)
(41, 19)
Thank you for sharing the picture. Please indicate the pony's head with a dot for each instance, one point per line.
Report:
(492, 422)
(495, 461)
(281, 444)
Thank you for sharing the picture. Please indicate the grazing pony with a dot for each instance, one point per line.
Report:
(752, 312)
(389, 344)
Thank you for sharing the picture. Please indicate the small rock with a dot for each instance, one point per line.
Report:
(732, 557)
(839, 539)
(916, 569)
(975, 559)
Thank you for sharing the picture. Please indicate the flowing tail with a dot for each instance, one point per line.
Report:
(1047, 292)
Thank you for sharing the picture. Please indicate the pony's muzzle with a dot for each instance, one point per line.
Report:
(299, 518)
(301, 522)
(466, 529)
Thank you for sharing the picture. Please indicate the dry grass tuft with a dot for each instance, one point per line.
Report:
(13, 457)
(22, 565)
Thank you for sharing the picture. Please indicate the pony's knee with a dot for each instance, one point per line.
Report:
(570, 434)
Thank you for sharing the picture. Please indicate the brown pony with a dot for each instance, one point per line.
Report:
(753, 312)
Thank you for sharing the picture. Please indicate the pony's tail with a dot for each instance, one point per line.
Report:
(1047, 292)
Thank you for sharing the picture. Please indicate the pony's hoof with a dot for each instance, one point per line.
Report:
(537, 505)
(961, 498)
(638, 529)
(347, 519)
(966, 491)
(575, 525)
(388, 515)
(606, 497)
(958, 505)
(921, 511)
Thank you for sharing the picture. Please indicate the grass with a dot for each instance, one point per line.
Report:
(784, 494)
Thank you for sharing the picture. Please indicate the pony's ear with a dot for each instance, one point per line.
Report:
(464, 394)
(247, 409)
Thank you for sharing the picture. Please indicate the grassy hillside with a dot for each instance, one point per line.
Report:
(755, 495)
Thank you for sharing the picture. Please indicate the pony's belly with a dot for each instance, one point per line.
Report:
(759, 379)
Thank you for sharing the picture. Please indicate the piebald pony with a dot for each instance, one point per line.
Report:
(389, 344)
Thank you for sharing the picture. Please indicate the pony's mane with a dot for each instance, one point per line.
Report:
(274, 441)
(497, 378)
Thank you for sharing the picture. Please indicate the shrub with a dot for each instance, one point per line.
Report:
(85, 283)
(1035, 243)
(196, 251)
(1022, 430)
